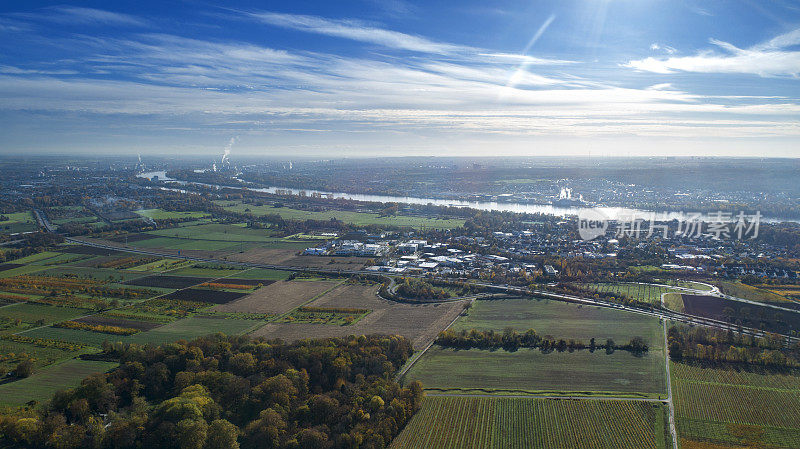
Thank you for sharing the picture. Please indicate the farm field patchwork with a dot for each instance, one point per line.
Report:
(279, 297)
(731, 407)
(420, 323)
(41, 386)
(527, 423)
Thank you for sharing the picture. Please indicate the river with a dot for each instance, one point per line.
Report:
(612, 213)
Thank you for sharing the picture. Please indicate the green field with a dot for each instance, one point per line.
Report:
(30, 313)
(674, 301)
(41, 386)
(212, 273)
(62, 259)
(529, 371)
(243, 273)
(100, 274)
(218, 231)
(90, 338)
(188, 244)
(745, 291)
(736, 407)
(322, 317)
(161, 265)
(24, 351)
(193, 327)
(25, 269)
(562, 320)
(18, 222)
(37, 257)
(532, 371)
(356, 218)
(266, 274)
(521, 423)
(646, 293)
(160, 214)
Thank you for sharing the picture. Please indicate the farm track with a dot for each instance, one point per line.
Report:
(663, 314)
(670, 402)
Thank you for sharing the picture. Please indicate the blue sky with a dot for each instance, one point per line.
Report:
(396, 77)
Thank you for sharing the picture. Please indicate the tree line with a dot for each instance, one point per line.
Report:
(511, 340)
(220, 392)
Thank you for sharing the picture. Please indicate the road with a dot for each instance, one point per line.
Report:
(661, 313)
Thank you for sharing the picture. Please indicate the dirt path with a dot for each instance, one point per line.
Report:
(670, 404)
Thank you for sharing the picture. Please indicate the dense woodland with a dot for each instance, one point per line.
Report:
(226, 392)
(718, 346)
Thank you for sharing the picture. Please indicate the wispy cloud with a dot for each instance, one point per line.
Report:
(772, 58)
(85, 16)
(357, 31)
(19, 71)
(660, 47)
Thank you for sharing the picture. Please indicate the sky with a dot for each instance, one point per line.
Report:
(398, 78)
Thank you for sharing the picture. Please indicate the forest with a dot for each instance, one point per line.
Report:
(228, 392)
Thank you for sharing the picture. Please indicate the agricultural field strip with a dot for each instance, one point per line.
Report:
(755, 303)
(531, 423)
(117, 308)
(285, 314)
(419, 355)
(545, 396)
(671, 315)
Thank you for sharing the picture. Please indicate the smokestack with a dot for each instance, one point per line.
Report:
(227, 152)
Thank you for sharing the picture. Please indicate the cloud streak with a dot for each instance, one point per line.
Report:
(771, 58)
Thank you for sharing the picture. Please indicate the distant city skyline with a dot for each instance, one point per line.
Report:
(399, 78)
